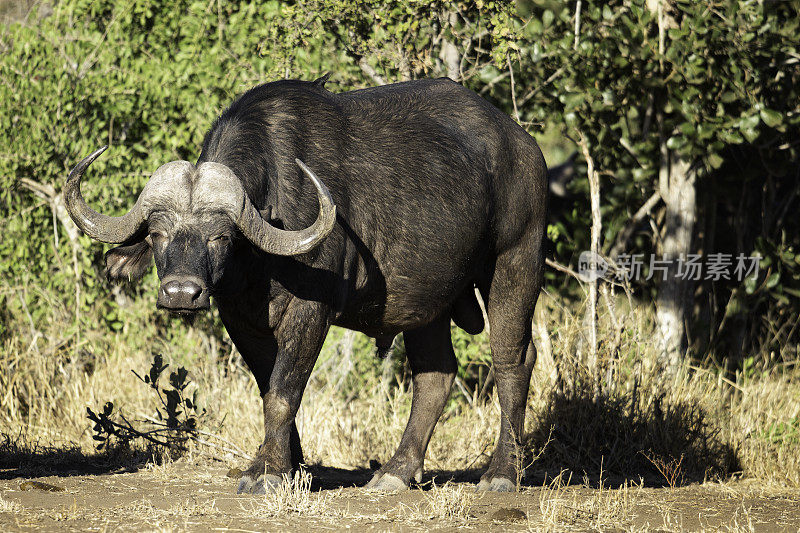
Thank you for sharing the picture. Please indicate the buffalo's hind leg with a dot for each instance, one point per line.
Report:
(433, 367)
(512, 294)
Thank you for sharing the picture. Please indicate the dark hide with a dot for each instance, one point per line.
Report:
(437, 193)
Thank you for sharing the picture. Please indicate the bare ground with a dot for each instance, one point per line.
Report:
(198, 496)
(701, 426)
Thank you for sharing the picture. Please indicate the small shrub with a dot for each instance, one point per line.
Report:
(176, 419)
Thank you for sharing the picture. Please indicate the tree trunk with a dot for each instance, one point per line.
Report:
(451, 58)
(677, 188)
(449, 53)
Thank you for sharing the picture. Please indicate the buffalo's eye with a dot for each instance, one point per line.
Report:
(219, 239)
(157, 237)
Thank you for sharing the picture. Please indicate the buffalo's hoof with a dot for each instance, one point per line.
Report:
(264, 483)
(386, 482)
(496, 484)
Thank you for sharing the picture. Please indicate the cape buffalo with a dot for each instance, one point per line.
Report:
(425, 192)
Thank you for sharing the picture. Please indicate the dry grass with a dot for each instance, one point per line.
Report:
(54, 370)
(741, 522)
(562, 508)
(7, 506)
(294, 496)
(448, 502)
(629, 420)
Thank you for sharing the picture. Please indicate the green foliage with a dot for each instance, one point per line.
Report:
(145, 77)
(782, 432)
(399, 40)
(722, 74)
(709, 82)
(474, 357)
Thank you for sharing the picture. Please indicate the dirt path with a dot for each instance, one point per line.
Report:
(191, 497)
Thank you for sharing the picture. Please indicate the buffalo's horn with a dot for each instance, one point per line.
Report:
(281, 242)
(101, 227)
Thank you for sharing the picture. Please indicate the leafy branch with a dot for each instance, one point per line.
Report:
(176, 421)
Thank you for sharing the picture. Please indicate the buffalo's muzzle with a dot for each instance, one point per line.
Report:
(183, 293)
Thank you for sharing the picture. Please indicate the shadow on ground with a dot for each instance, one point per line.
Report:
(31, 460)
(614, 439)
(662, 443)
(585, 440)
(331, 478)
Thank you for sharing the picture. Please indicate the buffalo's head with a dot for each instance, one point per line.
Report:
(186, 217)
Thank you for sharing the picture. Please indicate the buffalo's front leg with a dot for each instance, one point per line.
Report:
(274, 456)
(258, 352)
(297, 342)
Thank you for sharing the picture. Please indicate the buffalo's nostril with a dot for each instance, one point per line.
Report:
(185, 289)
(192, 289)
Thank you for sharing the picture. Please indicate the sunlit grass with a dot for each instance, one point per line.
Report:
(348, 417)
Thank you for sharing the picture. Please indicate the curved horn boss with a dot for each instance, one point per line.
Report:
(266, 237)
(169, 180)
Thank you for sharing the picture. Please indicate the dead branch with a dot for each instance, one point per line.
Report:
(594, 191)
(370, 72)
(577, 24)
(513, 90)
(48, 193)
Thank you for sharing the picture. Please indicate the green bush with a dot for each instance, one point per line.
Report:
(146, 77)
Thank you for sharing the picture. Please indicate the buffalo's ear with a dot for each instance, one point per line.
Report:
(322, 80)
(128, 262)
(266, 214)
